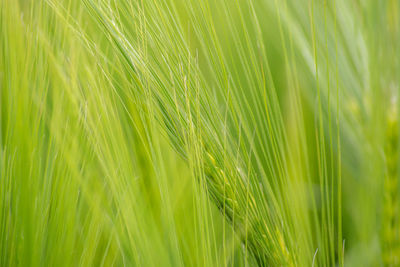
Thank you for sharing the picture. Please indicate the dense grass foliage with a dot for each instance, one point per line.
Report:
(199, 133)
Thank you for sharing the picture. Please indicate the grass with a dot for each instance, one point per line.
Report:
(199, 133)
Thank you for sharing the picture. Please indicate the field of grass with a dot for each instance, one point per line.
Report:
(199, 133)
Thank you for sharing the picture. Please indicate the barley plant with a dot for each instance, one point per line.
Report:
(199, 133)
